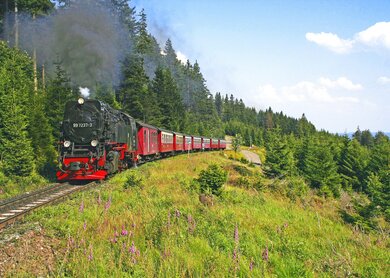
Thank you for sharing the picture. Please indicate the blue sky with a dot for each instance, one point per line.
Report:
(327, 59)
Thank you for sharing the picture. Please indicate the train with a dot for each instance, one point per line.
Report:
(98, 141)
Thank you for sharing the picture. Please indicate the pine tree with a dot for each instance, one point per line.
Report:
(107, 95)
(41, 135)
(169, 99)
(16, 157)
(280, 159)
(218, 104)
(143, 42)
(367, 139)
(357, 135)
(35, 7)
(133, 90)
(321, 169)
(354, 159)
(126, 15)
(379, 162)
(268, 121)
(58, 92)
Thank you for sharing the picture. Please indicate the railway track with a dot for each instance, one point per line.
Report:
(15, 208)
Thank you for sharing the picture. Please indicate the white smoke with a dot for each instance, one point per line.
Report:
(84, 92)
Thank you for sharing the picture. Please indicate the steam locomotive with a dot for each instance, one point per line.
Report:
(97, 141)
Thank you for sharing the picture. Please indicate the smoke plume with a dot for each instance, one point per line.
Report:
(87, 38)
(84, 92)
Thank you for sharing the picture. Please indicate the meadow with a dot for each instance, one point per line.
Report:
(150, 222)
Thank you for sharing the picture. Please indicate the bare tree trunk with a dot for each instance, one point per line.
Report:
(16, 25)
(43, 78)
(5, 23)
(35, 70)
(35, 66)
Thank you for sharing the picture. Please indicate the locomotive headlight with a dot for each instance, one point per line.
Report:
(81, 101)
(94, 143)
(66, 144)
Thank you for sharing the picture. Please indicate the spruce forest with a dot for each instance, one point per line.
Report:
(147, 81)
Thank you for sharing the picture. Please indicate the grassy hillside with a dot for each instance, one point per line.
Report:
(149, 222)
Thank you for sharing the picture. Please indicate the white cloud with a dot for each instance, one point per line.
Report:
(322, 91)
(342, 83)
(331, 41)
(384, 80)
(377, 35)
(270, 93)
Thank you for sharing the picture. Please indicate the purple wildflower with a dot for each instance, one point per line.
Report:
(191, 223)
(169, 219)
(134, 252)
(236, 237)
(235, 255)
(99, 200)
(285, 225)
(85, 225)
(81, 208)
(90, 256)
(132, 248)
(251, 264)
(124, 231)
(70, 242)
(108, 204)
(177, 213)
(265, 254)
(115, 238)
(167, 253)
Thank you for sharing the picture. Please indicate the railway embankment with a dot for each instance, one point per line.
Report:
(155, 221)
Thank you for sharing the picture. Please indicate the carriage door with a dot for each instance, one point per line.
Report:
(148, 139)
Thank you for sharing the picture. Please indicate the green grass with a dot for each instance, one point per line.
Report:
(10, 187)
(175, 235)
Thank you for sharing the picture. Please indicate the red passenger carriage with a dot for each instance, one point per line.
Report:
(147, 141)
(214, 144)
(165, 141)
(196, 143)
(222, 144)
(178, 142)
(206, 143)
(187, 143)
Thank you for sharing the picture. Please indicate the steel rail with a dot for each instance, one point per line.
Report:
(15, 208)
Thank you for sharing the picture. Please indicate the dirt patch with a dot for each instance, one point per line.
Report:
(251, 157)
(28, 253)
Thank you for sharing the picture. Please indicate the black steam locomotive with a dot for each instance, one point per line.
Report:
(98, 140)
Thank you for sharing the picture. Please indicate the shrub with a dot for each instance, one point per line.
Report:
(296, 187)
(244, 160)
(212, 179)
(3, 180)
(242, 170)
(243, 182)
(133, 180)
